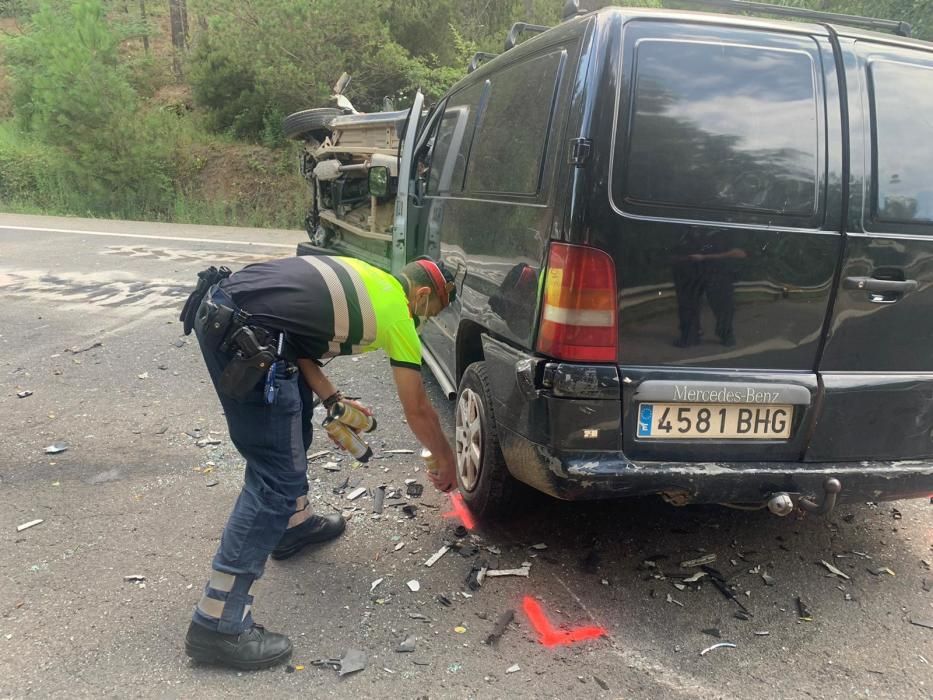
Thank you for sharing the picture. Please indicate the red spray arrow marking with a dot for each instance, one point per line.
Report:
(460, 511)
(549, 635)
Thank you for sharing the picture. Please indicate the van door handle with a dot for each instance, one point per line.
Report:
(871, 284)
(880, 291)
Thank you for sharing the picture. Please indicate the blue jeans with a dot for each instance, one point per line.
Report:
(273, 440)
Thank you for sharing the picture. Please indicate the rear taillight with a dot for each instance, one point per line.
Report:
(578, 311)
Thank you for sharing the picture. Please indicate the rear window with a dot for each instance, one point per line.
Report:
(508, 149)
(902, 106)
(723, 127)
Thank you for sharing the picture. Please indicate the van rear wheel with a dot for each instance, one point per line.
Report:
(482, 476)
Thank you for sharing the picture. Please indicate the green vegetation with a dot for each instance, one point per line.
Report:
(172, 111)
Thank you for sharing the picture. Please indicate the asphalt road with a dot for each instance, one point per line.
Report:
(89, 324)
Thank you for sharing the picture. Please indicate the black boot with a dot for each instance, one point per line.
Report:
(250, 650)
(314, 530)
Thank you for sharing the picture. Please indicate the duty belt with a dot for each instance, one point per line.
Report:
(255, 351)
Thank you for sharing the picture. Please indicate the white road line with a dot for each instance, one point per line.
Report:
(290, 246)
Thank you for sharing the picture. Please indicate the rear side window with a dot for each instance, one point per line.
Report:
(508, 150)
(723, 127)
(902, 107)
(452, 141)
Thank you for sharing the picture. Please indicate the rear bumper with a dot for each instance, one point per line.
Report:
(560, 427)
(589, 475)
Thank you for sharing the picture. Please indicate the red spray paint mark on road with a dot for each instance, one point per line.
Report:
(460, 511)
(549, 635)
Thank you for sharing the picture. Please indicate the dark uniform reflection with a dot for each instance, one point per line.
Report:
(705, 263)
(514, 300)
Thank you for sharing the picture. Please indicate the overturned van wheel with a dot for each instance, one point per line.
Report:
(485, 482)
(313, 122)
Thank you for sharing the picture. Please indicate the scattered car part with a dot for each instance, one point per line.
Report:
(31, 523)
(502, 623)
(721, 645)
(432, 560)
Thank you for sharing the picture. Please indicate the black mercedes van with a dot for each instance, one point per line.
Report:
(694, 257)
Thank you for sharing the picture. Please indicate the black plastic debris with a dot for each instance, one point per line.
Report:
(410, 510)
(502, 623)
(803, 611)
(444, 600)
(474, 579)
(896, 514)
(742, 615)
(340, 490)
(78, 349)
(460, 531)
(467, 552)
(289, 669)
(589, 564)
(719, 581)
(414, 489)
(354, 660)
(713, 632)
(379, 499)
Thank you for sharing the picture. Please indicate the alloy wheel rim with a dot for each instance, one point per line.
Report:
(469, 439)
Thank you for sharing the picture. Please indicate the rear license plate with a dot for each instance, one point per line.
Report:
(679, 421)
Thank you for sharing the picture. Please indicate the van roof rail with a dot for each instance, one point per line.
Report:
(899, 28)
(520, 28)
(479, 58)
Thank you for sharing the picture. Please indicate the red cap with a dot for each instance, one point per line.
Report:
(437, 279)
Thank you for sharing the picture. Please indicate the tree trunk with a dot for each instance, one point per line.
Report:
(184, 19)
(142, 14)
(179, 21)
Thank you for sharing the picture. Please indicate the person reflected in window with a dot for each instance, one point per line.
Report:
(706, 265)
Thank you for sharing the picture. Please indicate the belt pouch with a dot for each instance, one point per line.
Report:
(217, 323)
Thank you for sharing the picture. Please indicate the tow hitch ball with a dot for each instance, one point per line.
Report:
(782, 504)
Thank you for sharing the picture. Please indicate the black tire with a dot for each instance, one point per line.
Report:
(494, 492)
(309, 121)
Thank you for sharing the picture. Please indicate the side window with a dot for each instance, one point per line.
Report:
(723, 127)
(902, 118)
(508, 149)
(452, 140)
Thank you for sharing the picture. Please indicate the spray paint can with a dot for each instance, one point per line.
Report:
(348, 439)
(352, 417)
(430, 461)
